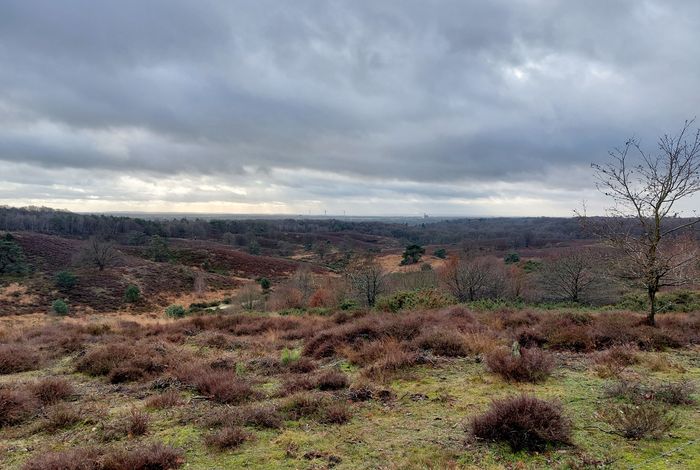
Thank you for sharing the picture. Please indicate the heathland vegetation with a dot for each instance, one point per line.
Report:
(130, 343)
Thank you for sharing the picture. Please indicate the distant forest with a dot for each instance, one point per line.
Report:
(511, 232)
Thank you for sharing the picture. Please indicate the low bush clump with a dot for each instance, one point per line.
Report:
(175, 311)
(638, 421)
(613, 361)
(61, 416)
(153, 456)
(671, 393)
(65, 280)
(16, 406)
(167, 399)
(122, 362)
(150, 457)
(132, 294)
(520, 365)
(59, 307)
(524, 422)
(443, 342)
(222, 386)
(264, 417)
(50, 390)
(17, 358)
(229, 437)
(137, 423)
(336, 413)
(332, 380)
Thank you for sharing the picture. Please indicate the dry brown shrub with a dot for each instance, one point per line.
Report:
(50, 390)
(167, 399)
(61, 416)
(524, 422)
(530, 365)
(18, 358)
(443, 342)
(230, 437)
(638, 421)
(16, 406)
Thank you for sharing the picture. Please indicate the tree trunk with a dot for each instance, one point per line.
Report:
(651, 321)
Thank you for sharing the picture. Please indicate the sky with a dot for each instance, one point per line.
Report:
(392, 107)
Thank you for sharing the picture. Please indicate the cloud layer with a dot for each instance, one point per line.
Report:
(405, 106)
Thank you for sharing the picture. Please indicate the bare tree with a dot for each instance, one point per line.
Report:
(467, 279)
(644, 224)
(303, 281)
(570, 275)
(100, 253)
(367, 279)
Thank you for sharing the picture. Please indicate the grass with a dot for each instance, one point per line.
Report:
(423, 426)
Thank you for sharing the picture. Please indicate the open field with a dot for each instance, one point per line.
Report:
(351, 390)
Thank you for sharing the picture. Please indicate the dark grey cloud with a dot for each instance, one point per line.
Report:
(311, 103)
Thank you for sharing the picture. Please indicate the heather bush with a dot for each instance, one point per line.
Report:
(167, 399)
(443, 342)
(16, 406)
(50, 390)
(17, 358)
(638, 421)
(61, 416)
(524, 422)
(227, 438)
(520, 365)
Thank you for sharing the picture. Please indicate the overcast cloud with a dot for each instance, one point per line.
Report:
(368, 107)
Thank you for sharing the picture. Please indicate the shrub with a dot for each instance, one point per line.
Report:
(639, 421)
(229, 437)
(72, 459)
(511, 258)
(59, 307)
(122, 361)
(17, 358)
(262, 417)
(332, 380)
(16, 406)
(613, 361)
(303, 405)
(167, 399)
(127, 373)
(50, 390)
(65, 280)
(675, 393)
(152, 457)
(672, 393)
(132, 294)
(137, 423)
(302, 366)
(265, 416)
(61, 416)
(265, 283)
(529, 365)
(524, 422)
(411, 300)
(443, 342)
(412, 254)
(175, 311)
(336, 413)
(221, 386)
(440, 253)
